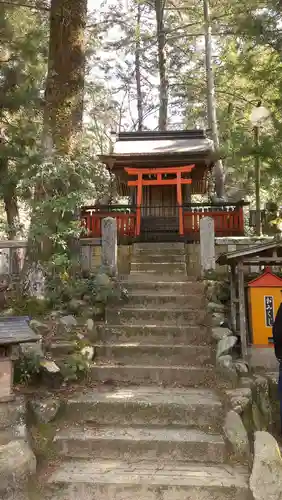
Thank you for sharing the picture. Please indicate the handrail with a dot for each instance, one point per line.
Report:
(92, 223)
(115, 207)
(221, 204)
(106, 207)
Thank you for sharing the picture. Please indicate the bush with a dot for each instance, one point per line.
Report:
(74, 367)
(29, 306)
(27, 368)
(92, 287)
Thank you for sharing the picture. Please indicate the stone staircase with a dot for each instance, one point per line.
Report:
(153, 429)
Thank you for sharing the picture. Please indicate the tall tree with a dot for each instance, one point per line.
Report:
(163, 81)
(59, 182)
(66, 72)
(22, 70)
(139, 95)
(211, 101)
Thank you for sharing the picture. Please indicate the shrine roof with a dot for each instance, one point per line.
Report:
(260, 250)
(16, 330)
(159, 144)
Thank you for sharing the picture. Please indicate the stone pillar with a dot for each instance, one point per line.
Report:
(207, 245)
(86, 257)
(109, 245)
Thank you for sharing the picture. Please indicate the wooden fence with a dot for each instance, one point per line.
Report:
(228, 219)
(12, 255)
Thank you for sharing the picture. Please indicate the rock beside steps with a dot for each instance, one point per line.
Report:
(153, 429)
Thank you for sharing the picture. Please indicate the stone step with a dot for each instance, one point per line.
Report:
(141, 443)
(155, 334)
(146, 480)
(159, 258)
(146, 405)
(159, 267)
(138, 283)
(61, 348)
(156, 315)
(159, 252)
(152, 247)
(145, 277)
(163, 298)
(184, 376)
(127, 353)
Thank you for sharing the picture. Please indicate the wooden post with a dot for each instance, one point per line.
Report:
(233, 298)
(10, 261)
(241, 221)
(242, 310)
(179, 201)
(139, 201)
(275, 269)
(187, 193)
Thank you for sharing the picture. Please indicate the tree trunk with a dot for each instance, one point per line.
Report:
(12, 212)
(211, 102)
(66, 71)
(10, 200)
(163, 87)
(63, 110)
(138, 68)
(12, 215)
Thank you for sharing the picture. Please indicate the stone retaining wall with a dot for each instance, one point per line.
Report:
(254, 395)
(222, 245)
(91, 254)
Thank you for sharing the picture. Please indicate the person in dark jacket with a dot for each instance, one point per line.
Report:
(277, 340)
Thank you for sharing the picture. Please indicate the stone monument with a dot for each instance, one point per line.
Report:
(109, 245)
(207, 245)
(34, 283)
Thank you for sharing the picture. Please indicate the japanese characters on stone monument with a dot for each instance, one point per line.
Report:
(109, 244)
(35, 282)
(207, 244)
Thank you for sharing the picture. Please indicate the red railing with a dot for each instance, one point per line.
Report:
(228, 220)
(91, 218)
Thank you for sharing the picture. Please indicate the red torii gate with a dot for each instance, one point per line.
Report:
(178, 181)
